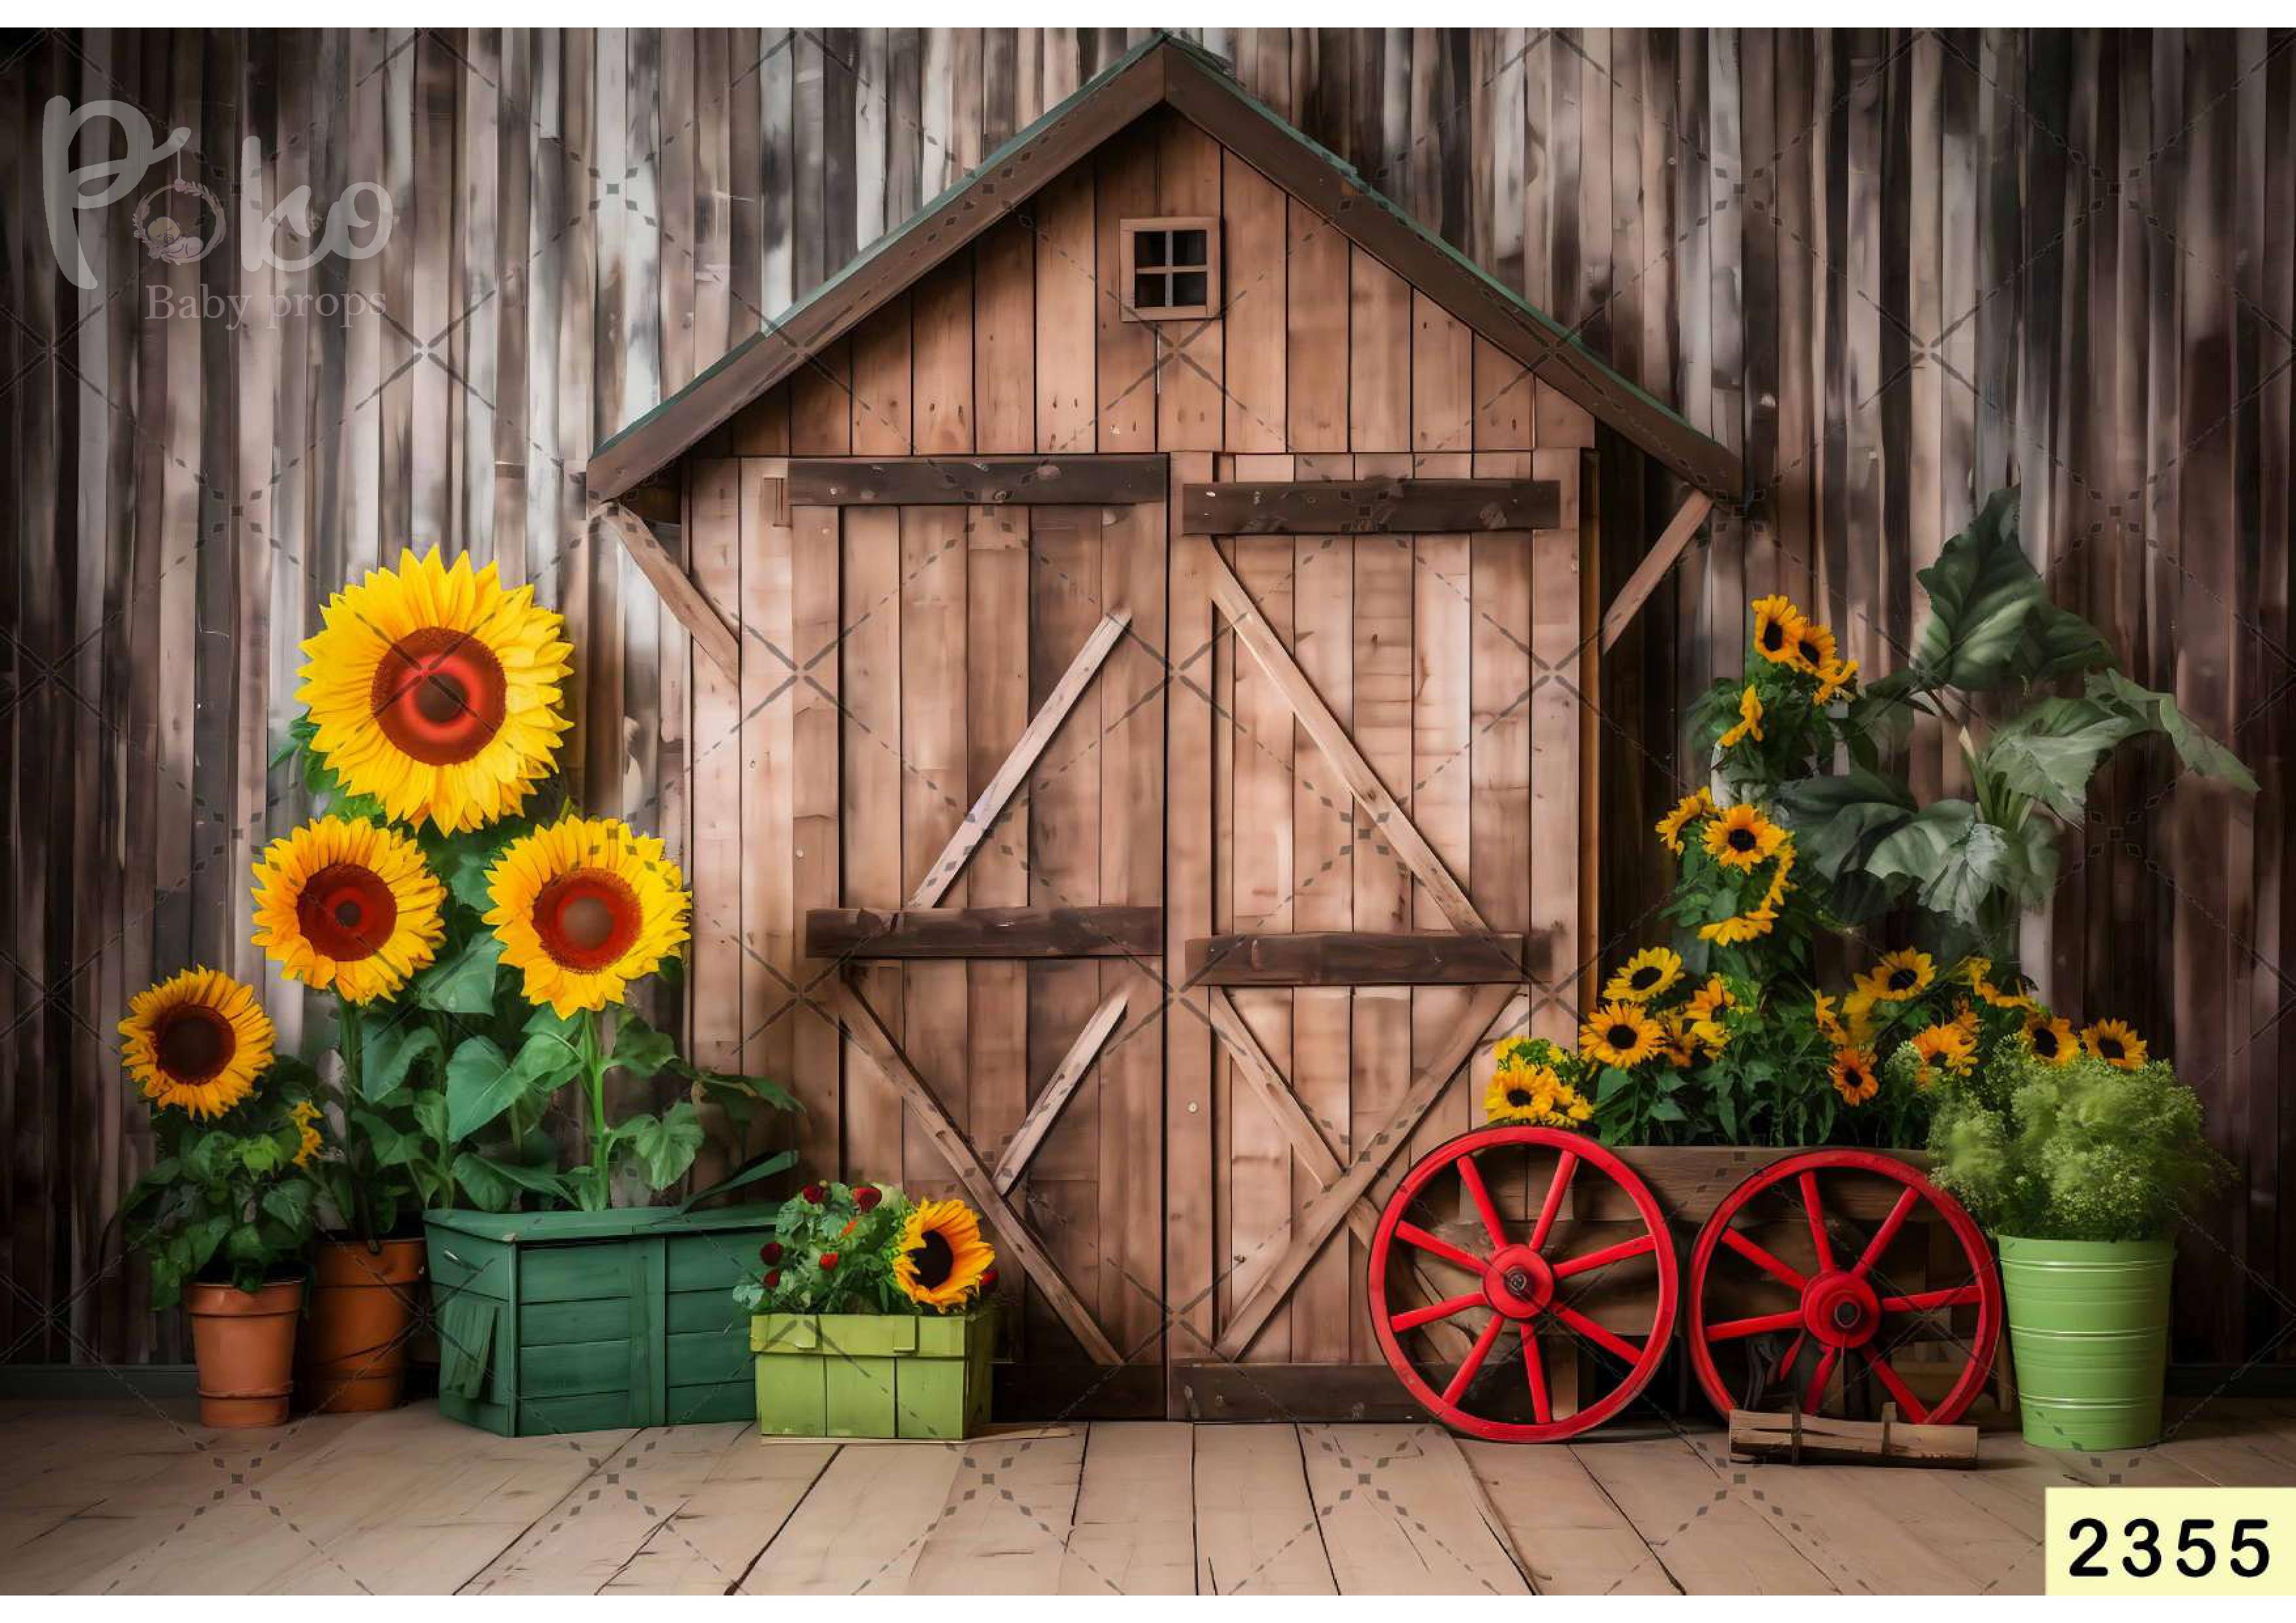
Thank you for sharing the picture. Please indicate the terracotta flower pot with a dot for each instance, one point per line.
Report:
(353, 1357)
(245, 1344)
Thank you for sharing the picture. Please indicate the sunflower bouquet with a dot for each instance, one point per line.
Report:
(867, 1248)
(230, 1197)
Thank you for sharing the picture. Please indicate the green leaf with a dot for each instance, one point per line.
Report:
(1834, 818)
(497, 1182)
(666, 1147)
(1955, 857)
(639, 1049)
(1990, 620)
(2158, 713)
(289, 1204)
(392, 1147)
(431, 1114)
(387, 1052)
(739, 1094)
(1667, 1110)
(462, 983)
(2050, 752)
(482, 1083)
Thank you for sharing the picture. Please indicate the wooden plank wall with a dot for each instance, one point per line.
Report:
(1895, 268)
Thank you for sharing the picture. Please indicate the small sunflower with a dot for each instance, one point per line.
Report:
(1947, 1045)
(344, 906)
(1749, 720)
(305, 1115)
(1679, 1049)
(1620, 1034)
(1709, 1037)
(942, 1256)
(2116, 1043)
(1853, 1076)
(1644, 976)
(1520, 1093)
(2051, 1040)
(1813, 648)
(197, 1041)
(1710, 1000)
(1978, 973)
(1834, 678)
(1700, 804)
(1776, 622)
(1902, 974)
(1741, 927)
(1775, 897)
(1829, 1023)
(1743, 837)
(437, 691)
(584, 907)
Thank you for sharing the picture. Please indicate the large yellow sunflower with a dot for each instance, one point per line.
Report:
(1901, 975)
(1698, 804)
(1776, 622)
(942, 1256)
(437, 691)
(1749, 720)
(2051, 1038)
(584, 907)
(1814, 648)
(1621, 1034)
(197, 1041)
(1645, 975)
(2116, 1043)
(349, 907)
(1743, 837)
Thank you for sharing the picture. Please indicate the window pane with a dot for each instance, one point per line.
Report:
(1188, 288)
(1188, 248)
(1148, 248)
(1148, 292)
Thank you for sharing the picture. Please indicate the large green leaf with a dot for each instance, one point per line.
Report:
(2158, 713)
(2051, 752)
(393, 1148)
(1990, 620)
(639, 1049)
(666, 1145)
(494, 1183)
(462, 983)
(1953, 857)
(387, 1051)
(1835, 817)
(482, 1083)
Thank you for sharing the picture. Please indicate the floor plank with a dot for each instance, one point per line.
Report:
(1402, 1514)
(1255, 1531)
(861, 1527)
(1004, 1527)
(751, 1492)
(1713, 1540)
(1568, 1532)
(1136, 1523)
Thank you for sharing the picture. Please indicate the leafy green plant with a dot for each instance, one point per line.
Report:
(867, 1248)
(2084, 1150)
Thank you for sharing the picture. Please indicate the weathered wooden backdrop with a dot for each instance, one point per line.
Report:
(1897, 270)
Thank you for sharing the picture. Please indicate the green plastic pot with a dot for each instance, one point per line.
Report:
(2088, 1327)
(866, 1374)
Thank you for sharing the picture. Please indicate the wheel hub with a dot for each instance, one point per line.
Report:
(1839, 1309)
(1518, 1283)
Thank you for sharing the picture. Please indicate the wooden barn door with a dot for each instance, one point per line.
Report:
(1375, 872)
(994, 830)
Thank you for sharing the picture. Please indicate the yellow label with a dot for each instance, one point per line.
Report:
(2172, 1541)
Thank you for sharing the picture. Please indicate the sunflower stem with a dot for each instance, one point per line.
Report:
(352, 1040)
(594, 1069)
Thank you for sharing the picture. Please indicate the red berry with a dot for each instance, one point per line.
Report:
(828, 1261)
(770, 1252)
(988, 1280)
(773, 1278)
(867, 1196)
(815, 1193)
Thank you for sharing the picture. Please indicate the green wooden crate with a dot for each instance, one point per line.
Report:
(580, 1321)
(862, 1375)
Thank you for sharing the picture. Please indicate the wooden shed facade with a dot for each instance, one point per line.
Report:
(1143, 760)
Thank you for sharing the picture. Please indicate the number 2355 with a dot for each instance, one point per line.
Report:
(2194, 1552)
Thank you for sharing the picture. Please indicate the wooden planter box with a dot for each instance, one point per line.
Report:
(578, 1321)
(867, 1375)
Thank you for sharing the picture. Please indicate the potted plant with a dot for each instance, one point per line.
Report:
(434, 720)
(224, 1213)
(2080, 1158)
(870, 1316)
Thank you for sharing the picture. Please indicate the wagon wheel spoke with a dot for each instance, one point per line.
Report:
(1785, 1365)
(1813, 1397)
(1642, 1245)
(1762, 1258)
(1906, 1200)
(1926, 1301)
(1472, 1363)
(1761, 1324)
(1533, 1369)
(1412, 1233)
(1609, 1340)
(1417, 1317)
(1908, 1404)
(1556, 1188)
(1480, 1192)
(1819, 1240)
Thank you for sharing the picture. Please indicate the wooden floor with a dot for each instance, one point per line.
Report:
(129, 1497)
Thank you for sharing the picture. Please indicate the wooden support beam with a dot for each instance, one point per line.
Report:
(978, 481)
(1662, 557)
(1799, 1438)
(1316, 720)
(1030, 744)
(1065, 1076)
(1356, 958)
(1339, 1199)
(869, 1034)
(984, 932)
(711, 631)
(1370, 506)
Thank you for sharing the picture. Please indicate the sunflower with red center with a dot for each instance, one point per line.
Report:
(584, 907)
(437, 691)
(347, 907)
(197, 1041)
(941, 1258)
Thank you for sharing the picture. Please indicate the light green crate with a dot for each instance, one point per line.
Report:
(861, 1374)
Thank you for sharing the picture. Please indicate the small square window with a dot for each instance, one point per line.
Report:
(1171, 268)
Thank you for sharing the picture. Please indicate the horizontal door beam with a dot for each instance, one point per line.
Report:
(984, 932)
(1356, 958)
(978, 481)
(1371, 506)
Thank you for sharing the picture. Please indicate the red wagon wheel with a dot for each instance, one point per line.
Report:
(1846, 1309)
(1514, 1274)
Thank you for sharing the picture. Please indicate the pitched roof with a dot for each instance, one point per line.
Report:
(1158, 72)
